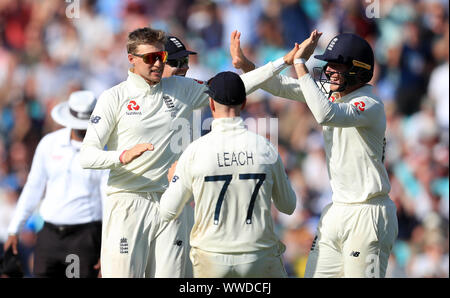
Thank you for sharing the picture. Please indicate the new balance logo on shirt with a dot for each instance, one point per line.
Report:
(95, 119)
(355, 254)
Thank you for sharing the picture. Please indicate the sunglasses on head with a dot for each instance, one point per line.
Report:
(178, 63)
(150, 58)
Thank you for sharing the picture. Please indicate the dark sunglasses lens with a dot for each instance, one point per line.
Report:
(185, 61)
(173, 63)
(148, 58)
(182, 62)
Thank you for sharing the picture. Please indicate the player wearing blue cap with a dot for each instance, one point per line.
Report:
(239, 174)
(138, 121)
(357, 230)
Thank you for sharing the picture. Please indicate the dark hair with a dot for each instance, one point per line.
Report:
(144, 36)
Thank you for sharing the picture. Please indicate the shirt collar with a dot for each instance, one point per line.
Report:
(227, 124)
(366, 89)
(67, 140)
(67, 135)
(139, 84)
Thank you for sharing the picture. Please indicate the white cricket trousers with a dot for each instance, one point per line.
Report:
(354, 240)
(136, 244)
(266, 263)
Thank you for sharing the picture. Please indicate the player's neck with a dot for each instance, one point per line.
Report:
(226, 114)
(349, 90)
(74, 136)
(151, 83)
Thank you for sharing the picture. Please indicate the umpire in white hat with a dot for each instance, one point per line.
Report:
(69, 243)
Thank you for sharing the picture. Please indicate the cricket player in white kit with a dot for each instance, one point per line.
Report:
(357, 230)
(234, 175)
(138, 120)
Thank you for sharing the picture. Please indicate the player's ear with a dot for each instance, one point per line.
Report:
(211, 105)
(131, 59)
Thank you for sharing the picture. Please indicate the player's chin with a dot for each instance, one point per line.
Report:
(334, 87)
(181, 73)
(155, 76)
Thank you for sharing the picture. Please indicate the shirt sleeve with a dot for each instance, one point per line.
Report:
(283, 195)
(197, 93)
(284, 86)
(253, 80)
(33, 190)
(179, 191)
(101, 124)
(359, 112)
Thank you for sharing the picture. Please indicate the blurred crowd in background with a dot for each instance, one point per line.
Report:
(49, 48)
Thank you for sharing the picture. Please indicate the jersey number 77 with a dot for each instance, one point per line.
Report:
(227, 179)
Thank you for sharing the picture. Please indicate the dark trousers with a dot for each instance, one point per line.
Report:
(68, 250)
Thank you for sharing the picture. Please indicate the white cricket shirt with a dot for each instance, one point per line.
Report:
(353, 127)
(133, 112)
(72, 195)
(233, 175)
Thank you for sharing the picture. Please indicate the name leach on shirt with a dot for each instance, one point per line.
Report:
(241, 158)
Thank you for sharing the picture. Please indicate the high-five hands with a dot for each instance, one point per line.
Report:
(289, 57)
(303, 50)
(307, 47)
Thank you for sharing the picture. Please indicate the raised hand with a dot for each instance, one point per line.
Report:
(237, 56)
(307, 47)
(289, 57)
(129, 155)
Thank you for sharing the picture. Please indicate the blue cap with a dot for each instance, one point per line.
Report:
(349, 49)
(176, 49)
(227, 88)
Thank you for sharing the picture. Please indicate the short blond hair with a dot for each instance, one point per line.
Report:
(144, 35)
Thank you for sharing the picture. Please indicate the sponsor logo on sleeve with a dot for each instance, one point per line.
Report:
(360, 105)
(200, 82)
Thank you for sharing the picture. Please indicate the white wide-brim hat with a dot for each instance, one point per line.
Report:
(76, 112)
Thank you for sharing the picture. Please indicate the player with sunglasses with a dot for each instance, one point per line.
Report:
(177, 65)
(178, 59)
(138, 121)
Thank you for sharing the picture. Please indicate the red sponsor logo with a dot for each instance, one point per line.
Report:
(200, 82)
(132, 105)
(332, 98)
(360, 105)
